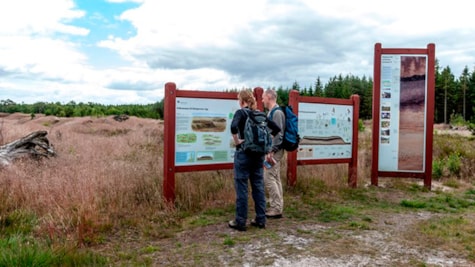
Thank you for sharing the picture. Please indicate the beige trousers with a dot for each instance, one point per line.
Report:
(273, 186)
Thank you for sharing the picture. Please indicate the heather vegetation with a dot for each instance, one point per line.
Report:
(99, 203)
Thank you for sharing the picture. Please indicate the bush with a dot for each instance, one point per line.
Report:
(457, 119)
(454, 163)
(437, 168)
(361, 127)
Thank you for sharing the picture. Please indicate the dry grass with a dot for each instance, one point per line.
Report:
(108, 177)
(106, 172)
(109, 174)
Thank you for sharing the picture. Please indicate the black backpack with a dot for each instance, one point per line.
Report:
(257, 137)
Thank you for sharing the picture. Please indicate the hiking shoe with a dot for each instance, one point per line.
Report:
(233, 224)
(258, 225)
(274, 215)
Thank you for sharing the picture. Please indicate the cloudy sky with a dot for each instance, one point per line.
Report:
(124, 51)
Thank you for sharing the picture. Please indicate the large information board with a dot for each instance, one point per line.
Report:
(197, 135)
(203, 134)
(326, 131)
(403, 113)
(402, 107)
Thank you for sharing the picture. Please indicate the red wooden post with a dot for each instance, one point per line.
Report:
(430, 114)
(353, 165)
(258, 96)
(376, 114)
(292, 156)
(169, 142)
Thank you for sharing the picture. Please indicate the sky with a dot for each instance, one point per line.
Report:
(125, 51)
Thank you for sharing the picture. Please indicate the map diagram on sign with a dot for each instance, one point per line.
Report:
(327, 126)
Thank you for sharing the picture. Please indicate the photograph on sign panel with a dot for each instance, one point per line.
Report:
(412, 113)
(208, 124)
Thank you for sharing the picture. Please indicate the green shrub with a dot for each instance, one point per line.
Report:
(457, 119)
(361, 127)
(437, 168)
(454, 163)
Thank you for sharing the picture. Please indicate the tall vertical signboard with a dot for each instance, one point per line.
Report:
(403, 113)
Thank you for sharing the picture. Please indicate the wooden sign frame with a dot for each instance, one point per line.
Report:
(393, 95)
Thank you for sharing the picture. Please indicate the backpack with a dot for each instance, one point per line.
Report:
(291, 138)
(257, 137)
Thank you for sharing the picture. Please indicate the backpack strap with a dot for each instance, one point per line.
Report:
(273, 110)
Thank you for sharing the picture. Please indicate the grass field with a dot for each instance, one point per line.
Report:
(99, 203)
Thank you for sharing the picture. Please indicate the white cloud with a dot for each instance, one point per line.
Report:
(214, 44)
(26, 17)
(55, 59)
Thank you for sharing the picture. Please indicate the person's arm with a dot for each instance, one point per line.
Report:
(236, 139)
(235, 127)
(279, 120)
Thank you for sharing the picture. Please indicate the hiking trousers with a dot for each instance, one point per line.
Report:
(273, 185)
(248, 168)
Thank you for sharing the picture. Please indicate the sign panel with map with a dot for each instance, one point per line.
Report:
(203, 134)
(326, 131)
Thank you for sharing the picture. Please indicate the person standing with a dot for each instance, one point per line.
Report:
(272, 179)
(248, 166)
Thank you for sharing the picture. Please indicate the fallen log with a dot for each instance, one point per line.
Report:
(36, 144)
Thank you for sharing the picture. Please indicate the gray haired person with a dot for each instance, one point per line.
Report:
(272, 180)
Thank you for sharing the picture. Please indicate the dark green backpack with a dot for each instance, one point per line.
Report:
(257, 138)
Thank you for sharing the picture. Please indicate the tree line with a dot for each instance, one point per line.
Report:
(73, 109)
(454, 98)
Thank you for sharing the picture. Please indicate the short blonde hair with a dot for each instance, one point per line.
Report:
(247, 97)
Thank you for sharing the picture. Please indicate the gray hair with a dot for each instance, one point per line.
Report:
(271, 93)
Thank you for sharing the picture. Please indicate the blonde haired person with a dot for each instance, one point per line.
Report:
(248, 167)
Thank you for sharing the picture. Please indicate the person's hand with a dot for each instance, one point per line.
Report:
(239, 141)
(269, 156)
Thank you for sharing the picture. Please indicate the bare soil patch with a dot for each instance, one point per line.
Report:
(287, 242)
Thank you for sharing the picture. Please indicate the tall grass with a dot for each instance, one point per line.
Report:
(108, 175)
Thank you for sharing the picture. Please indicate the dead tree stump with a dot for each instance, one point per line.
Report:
(35, 144)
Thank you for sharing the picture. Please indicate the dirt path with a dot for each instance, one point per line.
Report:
(286, 242)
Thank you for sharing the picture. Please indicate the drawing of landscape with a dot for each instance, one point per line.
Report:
(186, 138)
(211, 140)
(322, 140)
(208, 124)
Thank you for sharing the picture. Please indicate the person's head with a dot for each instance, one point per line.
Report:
(269, 98)
(246, 99)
